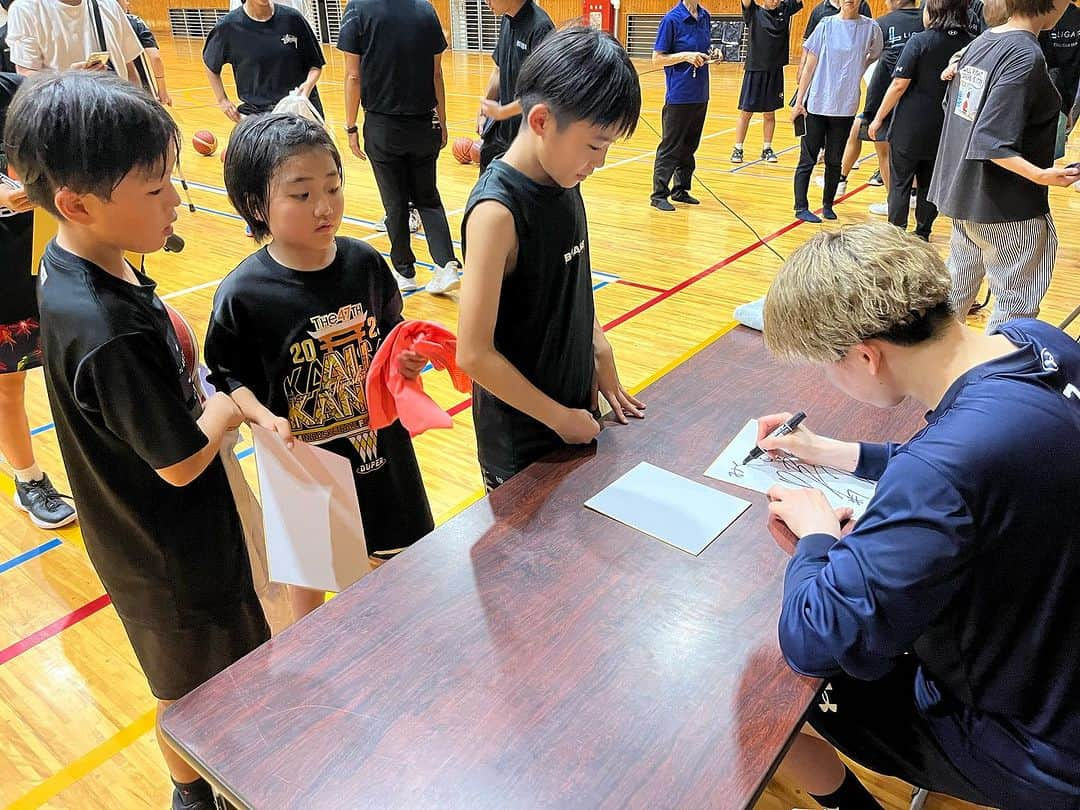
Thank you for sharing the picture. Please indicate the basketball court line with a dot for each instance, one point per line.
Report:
(26, 556)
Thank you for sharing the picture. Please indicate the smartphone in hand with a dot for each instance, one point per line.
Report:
(97, 59)
(800, 126)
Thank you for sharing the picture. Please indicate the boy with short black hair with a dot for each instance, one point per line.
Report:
(995, 163)
(296, 325)
(528, 333)
(158, 517)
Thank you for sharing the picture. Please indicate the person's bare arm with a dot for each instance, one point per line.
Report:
(157, 64)
(219, 416)
(218, 89)
(492, 242)
(440, 97)
(892, 98)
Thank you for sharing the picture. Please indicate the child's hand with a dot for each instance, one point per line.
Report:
(15, 199)
(577, 426)
(949, 73)
(607, 383)
(277, 424)
(410, 364)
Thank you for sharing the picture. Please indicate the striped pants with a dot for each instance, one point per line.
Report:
(1017, 259)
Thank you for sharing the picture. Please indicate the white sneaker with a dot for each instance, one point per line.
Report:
(404, 284)
(414, 222)
(881, 209)
(444, 279)
(841, 187)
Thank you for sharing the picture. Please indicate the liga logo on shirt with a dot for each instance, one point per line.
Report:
(576, 250)
(289, 39)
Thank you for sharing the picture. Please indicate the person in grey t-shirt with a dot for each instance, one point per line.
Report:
(995, 162)
(837, 54)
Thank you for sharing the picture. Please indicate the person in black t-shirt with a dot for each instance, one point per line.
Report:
(157, 513)
(916, 93)
(393, 67)
(20, 342)
(149, 65)
(296, 325)
(995, 162)
(903, 20)
(1061, 47)
(527, 329)
(273, 52)
(763, 77)
(524, 25)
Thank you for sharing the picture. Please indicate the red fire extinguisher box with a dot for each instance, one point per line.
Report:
(599, 14)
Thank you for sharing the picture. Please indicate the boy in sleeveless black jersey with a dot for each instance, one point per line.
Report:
(527, 330)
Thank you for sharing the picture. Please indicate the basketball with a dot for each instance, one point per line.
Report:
(189, 345)
(463, 150)
(205, 142)
(474, 152)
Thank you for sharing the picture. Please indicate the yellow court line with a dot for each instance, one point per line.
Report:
(682, 358)
(69, 775)
(70, 535)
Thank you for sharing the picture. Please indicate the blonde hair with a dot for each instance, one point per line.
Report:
(843, 287)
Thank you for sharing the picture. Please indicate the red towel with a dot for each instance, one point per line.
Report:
(390, 396)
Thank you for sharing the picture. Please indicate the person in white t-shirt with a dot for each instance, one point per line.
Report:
(61, 34)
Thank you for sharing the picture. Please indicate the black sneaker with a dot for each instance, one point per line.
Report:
(46, 507)
(769, 156)
(684, 197)
(662, 205)
(875, 179)
(736, 155)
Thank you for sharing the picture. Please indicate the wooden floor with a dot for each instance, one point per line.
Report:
(75, 713)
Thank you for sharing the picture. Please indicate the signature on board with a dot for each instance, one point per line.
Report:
(796, 473)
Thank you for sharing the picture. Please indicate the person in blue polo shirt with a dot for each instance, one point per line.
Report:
(682, 47)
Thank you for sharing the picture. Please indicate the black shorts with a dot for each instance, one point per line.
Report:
(175, 661)
(877, 724)
(762, 90)
(864, 128)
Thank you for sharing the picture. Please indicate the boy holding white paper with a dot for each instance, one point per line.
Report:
(296, 325)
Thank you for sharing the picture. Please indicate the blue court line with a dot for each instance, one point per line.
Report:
(29, 555)
(42, 429)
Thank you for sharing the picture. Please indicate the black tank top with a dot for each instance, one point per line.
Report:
(545, 321)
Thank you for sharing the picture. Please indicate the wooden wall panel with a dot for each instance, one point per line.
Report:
(442, 8)
(156, 12)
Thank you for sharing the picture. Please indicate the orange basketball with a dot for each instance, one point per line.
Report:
(189, 346)
(463, 150)
(204, 141)
(474, 152)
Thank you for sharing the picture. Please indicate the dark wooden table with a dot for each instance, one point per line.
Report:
(533, 653)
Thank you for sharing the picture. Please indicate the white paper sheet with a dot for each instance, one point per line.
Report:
(841, 488)
(314, 534)
(681, 512)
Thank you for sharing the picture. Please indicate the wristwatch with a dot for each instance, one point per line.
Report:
(352, 130)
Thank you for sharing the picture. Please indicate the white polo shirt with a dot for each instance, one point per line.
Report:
(51, 35)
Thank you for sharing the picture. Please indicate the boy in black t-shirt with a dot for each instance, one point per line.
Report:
(528, 334)
(157, 513)
(524, 25)
(995, 163)
(295, 326)
(763, 78)
(273, 52)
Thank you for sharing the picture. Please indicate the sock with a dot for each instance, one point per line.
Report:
(31, 473)
(843, 178)
(851, 795)
(193, 792)
(766, 145)
(738, 146)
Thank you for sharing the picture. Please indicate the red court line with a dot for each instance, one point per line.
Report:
(682, 285)
(47, 632)
(639, 285)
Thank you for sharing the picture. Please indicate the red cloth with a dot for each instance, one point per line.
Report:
(390, 396)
